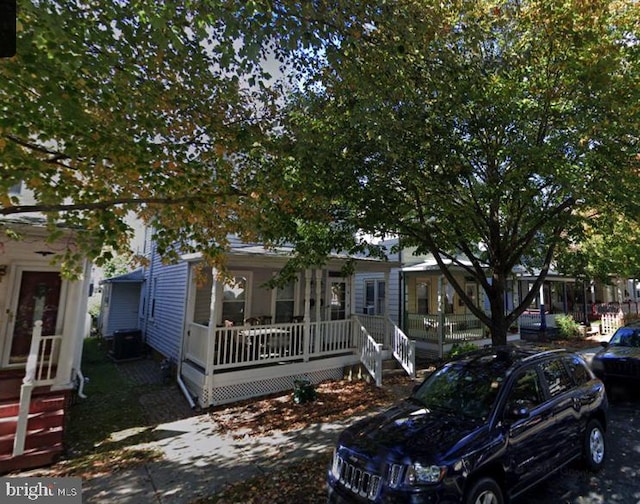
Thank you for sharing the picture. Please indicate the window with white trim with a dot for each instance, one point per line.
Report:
(285, 302)
(375, 293)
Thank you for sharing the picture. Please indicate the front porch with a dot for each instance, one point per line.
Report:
(227, 364)
(33, 404)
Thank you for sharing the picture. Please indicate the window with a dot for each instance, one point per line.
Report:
(557, 377)
(526, 392)
(154, 289)
(16, 189)
(285, 302)
(374, 297)
(234, 298)
(578, 370)
(422, 297)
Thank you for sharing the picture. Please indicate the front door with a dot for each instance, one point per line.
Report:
(38, 299)
(338, 296)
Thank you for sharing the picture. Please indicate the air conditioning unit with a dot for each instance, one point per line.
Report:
(370, 310)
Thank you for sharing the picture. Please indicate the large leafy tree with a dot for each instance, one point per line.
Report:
(117, 107)
(467, 128)
(486, 131)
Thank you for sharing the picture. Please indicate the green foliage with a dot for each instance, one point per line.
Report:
(117, 265)
(568, 328)
(478, 130)
(461, 348)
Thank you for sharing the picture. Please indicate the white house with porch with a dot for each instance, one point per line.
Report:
(43, 321)
(233, 338)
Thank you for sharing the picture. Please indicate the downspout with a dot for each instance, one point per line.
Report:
(81, 382)
(183, 387)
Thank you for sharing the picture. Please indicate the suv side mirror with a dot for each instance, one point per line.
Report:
(517, 410)
(604, 344)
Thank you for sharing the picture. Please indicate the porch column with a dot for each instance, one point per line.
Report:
(70, 334)
(441, 318)
(351, 300)
(318, 294)
(211, 335)
(543, 317)
(388, 329)
(82, 314)
(307, 318)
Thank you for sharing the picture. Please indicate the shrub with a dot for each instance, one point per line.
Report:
(567, 327)
(460, 348)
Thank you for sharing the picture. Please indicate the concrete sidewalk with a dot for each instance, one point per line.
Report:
(198, 462)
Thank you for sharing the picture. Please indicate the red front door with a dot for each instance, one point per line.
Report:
(38, 299)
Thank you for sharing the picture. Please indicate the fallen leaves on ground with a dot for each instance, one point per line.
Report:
(335, 400)
(300, 482)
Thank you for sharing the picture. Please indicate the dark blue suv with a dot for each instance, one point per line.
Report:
(481, 429)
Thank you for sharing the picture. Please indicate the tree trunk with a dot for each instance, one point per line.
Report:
(499, 324)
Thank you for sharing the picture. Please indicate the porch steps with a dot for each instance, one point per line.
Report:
(45, 429)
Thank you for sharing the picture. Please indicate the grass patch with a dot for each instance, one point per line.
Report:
(102, 428)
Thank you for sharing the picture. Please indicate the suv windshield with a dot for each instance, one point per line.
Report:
(467, 387)
(626, 336)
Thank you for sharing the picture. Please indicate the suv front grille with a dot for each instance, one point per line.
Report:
(630, 368)
(360, 482)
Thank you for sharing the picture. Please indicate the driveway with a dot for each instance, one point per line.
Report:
(619, 481)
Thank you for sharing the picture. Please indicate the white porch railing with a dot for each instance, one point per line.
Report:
(237, 347)
(404, 350)
(40, 370)
(378, 327)
(383, 330)
(455, 327)
(370, 353)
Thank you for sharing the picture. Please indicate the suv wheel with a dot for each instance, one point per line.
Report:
(594, 446)
(484, 491)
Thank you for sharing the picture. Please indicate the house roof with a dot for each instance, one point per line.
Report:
(432, 265)
(136, 276)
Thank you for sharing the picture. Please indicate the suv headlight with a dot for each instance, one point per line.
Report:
(418, 474)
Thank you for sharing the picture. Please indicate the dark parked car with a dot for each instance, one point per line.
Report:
(481, 429)
(619, 360)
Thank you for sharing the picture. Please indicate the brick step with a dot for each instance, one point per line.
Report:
(39, 403)
(30, 459)
(36, 439)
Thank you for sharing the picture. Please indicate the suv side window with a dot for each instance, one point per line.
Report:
(578, 370)
(526, 392)
(556, 376)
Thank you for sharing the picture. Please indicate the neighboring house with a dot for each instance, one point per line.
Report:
(120, 303)
(435, 316)
(43, 321)
(234, 338)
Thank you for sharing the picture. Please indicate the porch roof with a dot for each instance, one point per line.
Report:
(283, 254)
(432, 265)
(136, 276)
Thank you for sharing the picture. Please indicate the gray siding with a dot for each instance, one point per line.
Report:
(164, 313)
